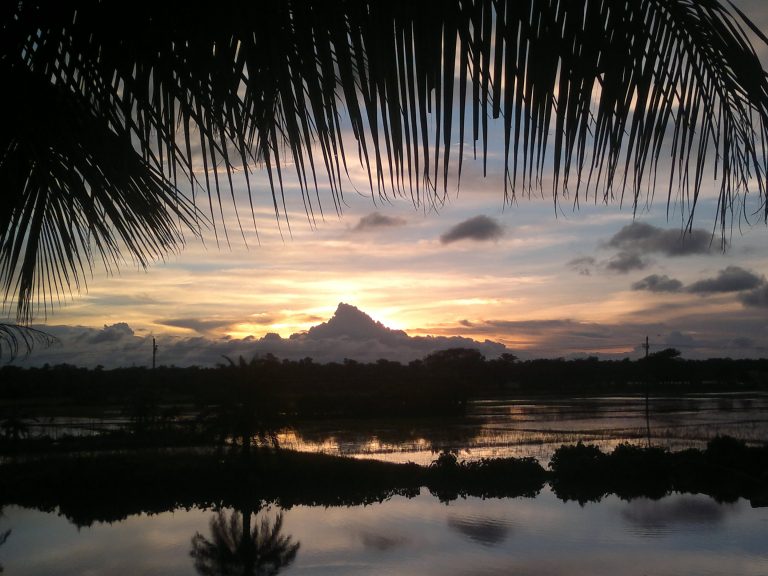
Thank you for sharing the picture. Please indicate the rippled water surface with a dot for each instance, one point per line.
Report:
(678, 535)
(536, 427)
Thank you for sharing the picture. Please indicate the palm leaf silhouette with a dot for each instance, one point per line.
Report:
(124, 123)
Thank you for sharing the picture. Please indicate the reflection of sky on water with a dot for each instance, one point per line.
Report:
(521, 428)
(655, 518)
(486, 531)
(499, 428)
(678, 535)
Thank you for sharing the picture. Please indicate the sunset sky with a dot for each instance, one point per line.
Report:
(544, 280)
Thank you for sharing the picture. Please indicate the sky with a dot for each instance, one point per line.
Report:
(533, 278)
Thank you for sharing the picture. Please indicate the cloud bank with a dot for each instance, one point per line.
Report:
(479, 229)
(377, 220)
(658, 283)
(731, 279)
(350, 333)
(751, 289)
(641, 238)
(624, 262)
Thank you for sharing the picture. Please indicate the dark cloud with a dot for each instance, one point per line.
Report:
(643, 238)
(377, 220)
(757, 298)
(715, 334)
(583, 265)
(479, 228)
(677, 339)
(529, 326)
(196, 324)
(624, 262)
(742, 342)
(657, 283)
(731, 279)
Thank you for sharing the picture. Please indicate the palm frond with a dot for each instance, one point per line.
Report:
(16, 339)
(116, 109)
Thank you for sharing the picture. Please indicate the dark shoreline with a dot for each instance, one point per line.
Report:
(107, 487)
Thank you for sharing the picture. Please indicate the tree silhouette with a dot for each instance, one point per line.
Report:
(120, 116)
(236, 549)
(247, 410)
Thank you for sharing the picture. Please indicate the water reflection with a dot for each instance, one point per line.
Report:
(236, 549)
(381, 542)
(401, 536)
(520, 427)
(484, 531)
(657, 517)
(3, 536)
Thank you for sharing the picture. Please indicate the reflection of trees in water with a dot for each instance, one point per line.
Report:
(236, 549)
(435, 435)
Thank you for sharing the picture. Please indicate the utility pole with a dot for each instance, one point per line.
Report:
(154, 352)
(647, 347)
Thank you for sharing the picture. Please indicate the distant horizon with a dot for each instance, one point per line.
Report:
(349, 334)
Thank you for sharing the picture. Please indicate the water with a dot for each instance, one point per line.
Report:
(517, 427)
(537, 427)
(679, 535)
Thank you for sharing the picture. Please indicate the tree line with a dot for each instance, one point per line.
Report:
(440, 382)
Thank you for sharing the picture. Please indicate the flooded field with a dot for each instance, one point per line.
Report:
(536, 427)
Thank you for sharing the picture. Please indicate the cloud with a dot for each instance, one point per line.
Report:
(705, 334)
(657, 283)
(377, 220)
(111, 333)
(677, 339)
(349, 334)
(195, 324)
(479, 228)
(582, 265)
(742, 342)
(731, 279)
(122, 300)
(624, 262)
(757, 298)
(349, 321)
(641, 238)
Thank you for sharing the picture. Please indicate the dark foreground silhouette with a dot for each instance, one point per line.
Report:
(236, 548)
(111, 486)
